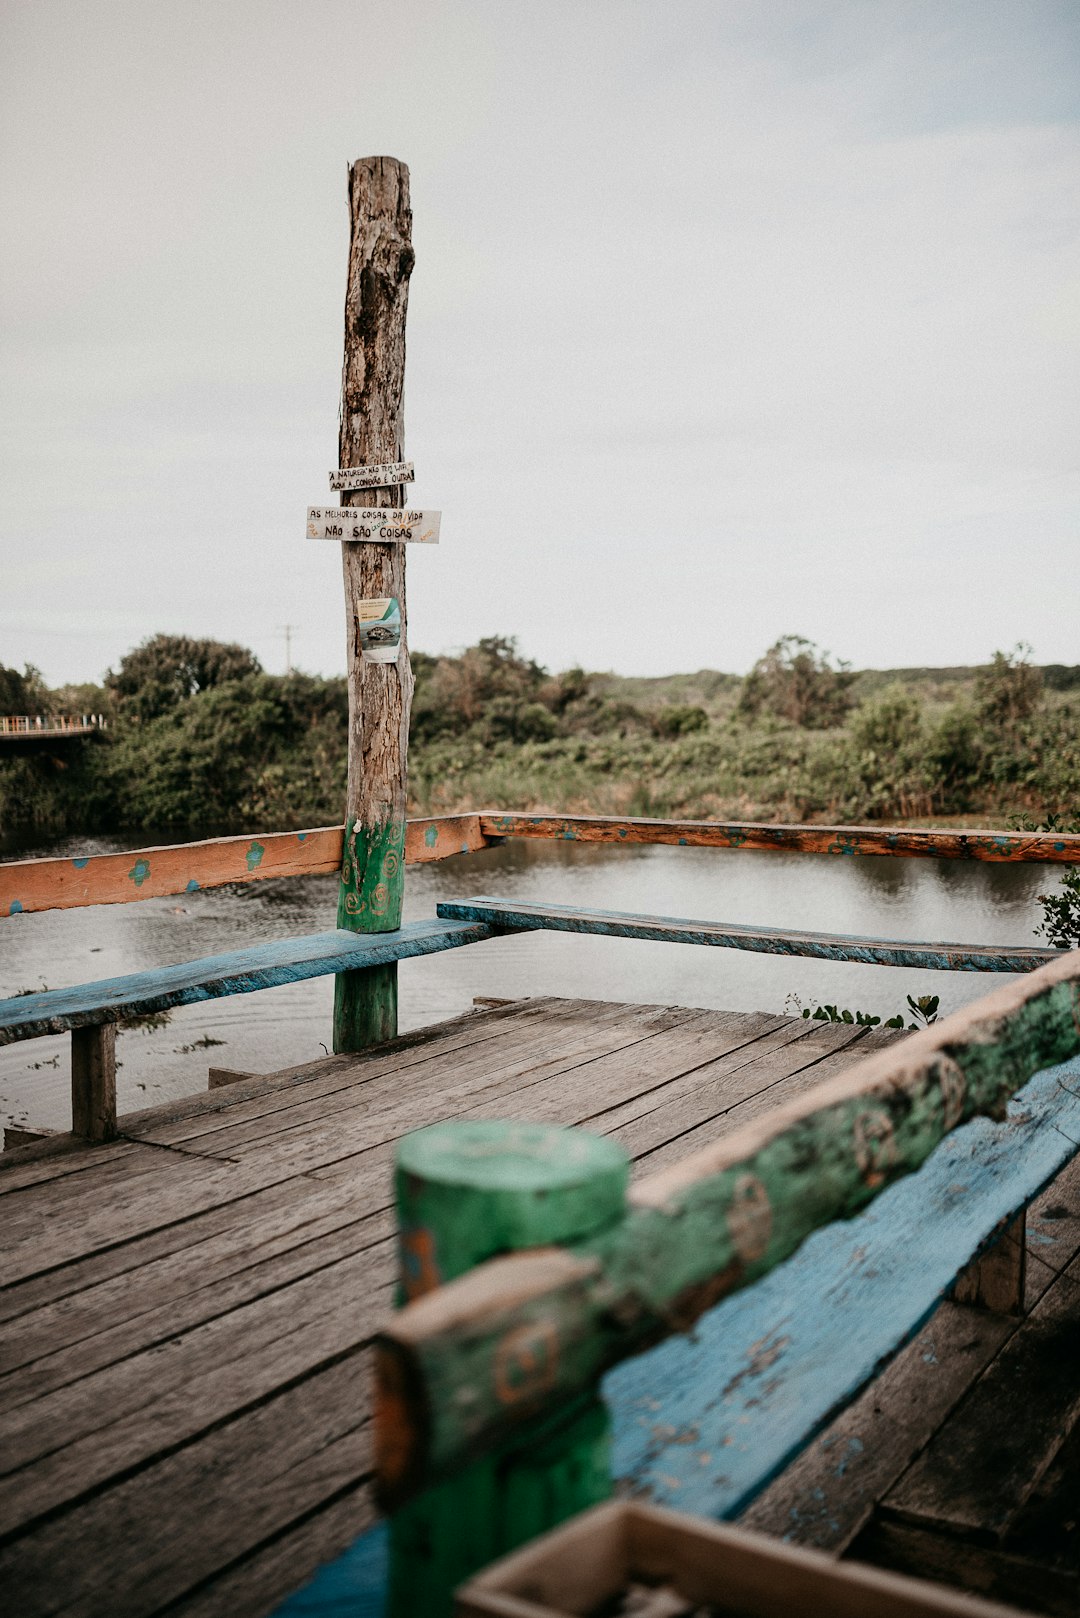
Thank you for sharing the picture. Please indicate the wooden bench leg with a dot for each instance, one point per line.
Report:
(93, 1081)
(995, 1280)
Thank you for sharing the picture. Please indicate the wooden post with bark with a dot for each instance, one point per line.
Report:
(380, 694)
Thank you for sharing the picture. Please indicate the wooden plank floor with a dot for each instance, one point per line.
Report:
(185, 1313)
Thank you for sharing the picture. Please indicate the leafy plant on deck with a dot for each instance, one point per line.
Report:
(924, 1010)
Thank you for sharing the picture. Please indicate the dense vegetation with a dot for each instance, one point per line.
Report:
(200, 737)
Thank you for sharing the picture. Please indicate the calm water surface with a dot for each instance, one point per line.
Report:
(897, 898)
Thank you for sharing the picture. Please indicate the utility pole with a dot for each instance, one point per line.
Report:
(380, 694)
(286, 630)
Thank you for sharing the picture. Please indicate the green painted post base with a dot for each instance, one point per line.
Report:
(365, 1007)
(467, 1191)
(555, 1470)
(369, 901)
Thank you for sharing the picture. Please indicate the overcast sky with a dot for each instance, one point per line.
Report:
(729, 320)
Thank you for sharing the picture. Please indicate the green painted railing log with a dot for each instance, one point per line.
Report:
(380, 694)
(467, 1191)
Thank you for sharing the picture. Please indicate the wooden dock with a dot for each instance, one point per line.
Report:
(187, 1311)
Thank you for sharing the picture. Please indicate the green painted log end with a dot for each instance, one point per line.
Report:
(470, 1189)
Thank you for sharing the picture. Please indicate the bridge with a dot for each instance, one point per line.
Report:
(23, 728)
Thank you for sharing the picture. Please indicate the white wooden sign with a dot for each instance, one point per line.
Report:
(373, 477)
(382, 524)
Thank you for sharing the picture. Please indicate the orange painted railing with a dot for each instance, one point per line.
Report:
(64, 884)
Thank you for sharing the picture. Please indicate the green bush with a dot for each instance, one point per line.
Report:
(201, 738)
(797, 682)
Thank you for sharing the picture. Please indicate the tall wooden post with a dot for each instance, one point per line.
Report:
(380, 694)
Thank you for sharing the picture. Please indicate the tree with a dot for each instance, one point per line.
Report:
(168, 669)
(799, 683)
(489, 685)
(24, 693)
(1008, 691)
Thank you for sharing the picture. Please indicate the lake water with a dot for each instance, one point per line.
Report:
(895, 898)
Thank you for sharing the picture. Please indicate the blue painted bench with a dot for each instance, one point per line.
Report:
(90, 1011)
(501, 916)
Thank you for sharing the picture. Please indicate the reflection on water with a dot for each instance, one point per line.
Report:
(897, 898)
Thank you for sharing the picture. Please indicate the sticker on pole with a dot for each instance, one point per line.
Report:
(386, 476)
(378, 624)
(382, 525)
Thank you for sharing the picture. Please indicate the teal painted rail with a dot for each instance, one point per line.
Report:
(263, 966)
(520, 917)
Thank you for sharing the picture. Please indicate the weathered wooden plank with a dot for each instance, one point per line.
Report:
(221, 1268)
(700, 1118)
(713, 1058)
(190, 1117)
(200, 1510)
(130, 1412)
(147, 873)
(73, 1225)
(717, 1054)
(253, 1585)
(122, 1200)
(978, 1471)
(1028, 1583)
(53, 1158)
(263, 966)
(521, 916)
(721, 1219)
(226, 1258)
(828, 1494)
(428, 1093)
(1040, 847)
(440, 837)
(152, 873)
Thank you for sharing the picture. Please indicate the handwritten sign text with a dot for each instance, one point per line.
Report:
(379, 524)
(373, 477)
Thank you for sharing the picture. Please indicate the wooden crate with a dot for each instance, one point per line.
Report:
(581, 1569)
